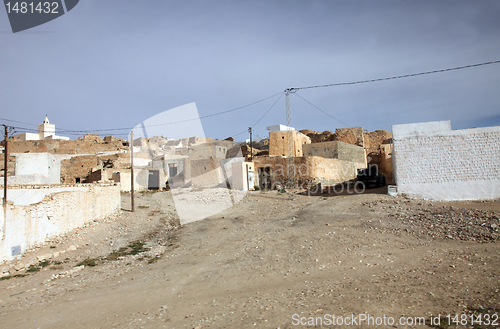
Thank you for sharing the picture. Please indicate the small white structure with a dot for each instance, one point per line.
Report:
(279, 128)
(243, 176)
(45, 131)
(431, 161)
(34, 214)
(36, 168)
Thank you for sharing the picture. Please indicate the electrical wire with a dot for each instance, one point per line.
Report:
(24, 123)
(67, 131)
(321, 110)
(398, 76)
(291, 90)
(262, 117)
(246, 130)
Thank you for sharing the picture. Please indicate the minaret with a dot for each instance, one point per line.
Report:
(45, 129)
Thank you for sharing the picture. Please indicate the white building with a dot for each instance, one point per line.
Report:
(279, 128)
(45, 131)
(432, 161)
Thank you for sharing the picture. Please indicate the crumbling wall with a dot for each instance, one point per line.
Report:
(76, 169)
(352, 136)
(372, 142)
(386, 162)
(100, 175)
(307, 171)
(319, 137)
(335, 150)
(58, 146)
(91, 138)
(11, 165)
(432, 161)
(37, 213)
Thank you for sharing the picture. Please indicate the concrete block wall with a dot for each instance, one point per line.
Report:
(434, 162)
(37, 213)
(335, 150)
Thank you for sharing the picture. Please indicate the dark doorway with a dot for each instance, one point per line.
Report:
(172, 170)
(154, 180)
(265, 178)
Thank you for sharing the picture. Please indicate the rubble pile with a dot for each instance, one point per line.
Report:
(454, 223)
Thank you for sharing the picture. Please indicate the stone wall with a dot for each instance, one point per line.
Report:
(77, 168)
(37, 213)
(372, 141)
(352, 136)
(335, 150)
(207, 150)
(306, 171)
(279, 145)
(67, 147)
(386, 162)
(11, 165)
(91, 138)
(434, 162)
(319, 137)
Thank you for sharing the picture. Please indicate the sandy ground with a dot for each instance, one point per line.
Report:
(271, 261)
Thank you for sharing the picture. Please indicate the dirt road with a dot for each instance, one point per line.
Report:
(272, 261)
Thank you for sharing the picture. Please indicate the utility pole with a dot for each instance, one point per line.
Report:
(132, 169)
(289, 146)
(251, 155)
(5, 170)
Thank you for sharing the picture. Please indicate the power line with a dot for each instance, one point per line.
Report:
(291, 90)
(322, 110)
(398, 76)
(262, 117)
(69, 131)
(24, 123)
(246, 130)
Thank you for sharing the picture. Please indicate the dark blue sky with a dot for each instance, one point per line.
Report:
(112, 64)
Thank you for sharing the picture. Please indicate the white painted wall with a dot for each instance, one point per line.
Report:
(240, 178)
(27, 137)
(141, 177)
(38, 214)
(433, 162)
(58, 137)
(279, 127)
(43, 168)
(421, 129)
